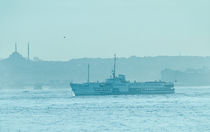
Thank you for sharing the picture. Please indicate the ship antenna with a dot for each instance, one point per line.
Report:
(114, 72)
(88, 73)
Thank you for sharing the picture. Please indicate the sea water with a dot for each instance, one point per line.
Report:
(58, 111)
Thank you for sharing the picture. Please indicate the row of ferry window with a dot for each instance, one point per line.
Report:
(147, 84)
(146, 89)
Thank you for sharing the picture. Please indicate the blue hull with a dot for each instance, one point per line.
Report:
(85, 90)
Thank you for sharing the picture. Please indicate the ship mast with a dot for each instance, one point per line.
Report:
(88, 74)
(114, 71)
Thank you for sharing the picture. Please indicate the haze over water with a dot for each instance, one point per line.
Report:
(176, 32)
(54, 111)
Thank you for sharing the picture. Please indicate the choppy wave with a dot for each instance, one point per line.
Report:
(58, 110)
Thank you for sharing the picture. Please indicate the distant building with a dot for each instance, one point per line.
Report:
(187, 77)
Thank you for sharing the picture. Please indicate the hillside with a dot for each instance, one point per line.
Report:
(18, 70)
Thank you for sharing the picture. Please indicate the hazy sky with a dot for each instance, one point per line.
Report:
(100, 28)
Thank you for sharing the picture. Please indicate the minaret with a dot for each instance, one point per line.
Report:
(28, 52)
(16, 47)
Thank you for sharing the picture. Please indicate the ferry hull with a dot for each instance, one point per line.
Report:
(98, 89)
